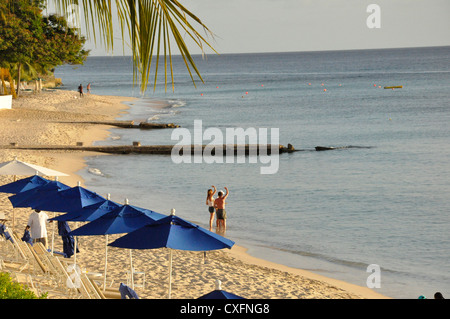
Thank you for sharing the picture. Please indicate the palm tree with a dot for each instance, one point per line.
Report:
(151, 25)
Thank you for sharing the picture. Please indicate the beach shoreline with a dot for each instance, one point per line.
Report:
(230, 266)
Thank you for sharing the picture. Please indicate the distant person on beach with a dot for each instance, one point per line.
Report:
(219, 205)
(27, 236)
(80, 89)
(88, 88)
(210, 202)
(3, 229)
(38, 226)
(438, 295)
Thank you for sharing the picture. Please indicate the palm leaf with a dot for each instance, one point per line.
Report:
(151, 25)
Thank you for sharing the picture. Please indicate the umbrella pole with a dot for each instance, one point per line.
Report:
(14, 212)
(170, 272)
(53, 233)
(75, 246)
(132, 271)
(14, 219)
(106, 262)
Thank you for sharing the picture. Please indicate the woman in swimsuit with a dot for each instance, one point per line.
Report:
(210, 203)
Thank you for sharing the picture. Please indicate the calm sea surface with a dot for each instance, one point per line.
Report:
(384, 202)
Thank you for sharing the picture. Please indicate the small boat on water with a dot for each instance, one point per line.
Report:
(394, 87)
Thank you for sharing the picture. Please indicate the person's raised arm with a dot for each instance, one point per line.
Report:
(228, 192)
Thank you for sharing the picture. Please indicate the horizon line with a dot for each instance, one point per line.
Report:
(301, 51)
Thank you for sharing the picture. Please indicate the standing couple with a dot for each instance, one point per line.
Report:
(217, 205)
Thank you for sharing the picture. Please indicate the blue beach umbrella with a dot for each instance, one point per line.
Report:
(24, 184)
(218, 293)
(26, 198)
(67, 200)
(123, 219)
(89, 213)
(174, 233)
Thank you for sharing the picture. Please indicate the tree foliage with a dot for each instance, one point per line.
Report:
(13, 290)
(29, 38)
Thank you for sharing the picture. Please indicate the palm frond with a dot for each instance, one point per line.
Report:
(151, 25)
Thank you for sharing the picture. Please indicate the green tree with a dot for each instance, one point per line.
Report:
(28, 38)
(61, 44)
(18, 34)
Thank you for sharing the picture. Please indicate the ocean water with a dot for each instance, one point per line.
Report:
(384, 202)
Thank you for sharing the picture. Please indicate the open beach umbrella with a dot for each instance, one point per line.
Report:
(89, 213)
(174, 233)
(67, 200)
(123, 219)
(218, 293)
(26, 198)
(16, 167)
(23, 199)
(23, 184)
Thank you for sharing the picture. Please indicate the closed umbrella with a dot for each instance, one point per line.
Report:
(123, 219)
(174, 233)
(68, 240)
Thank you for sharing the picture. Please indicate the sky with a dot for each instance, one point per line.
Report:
(249, 26)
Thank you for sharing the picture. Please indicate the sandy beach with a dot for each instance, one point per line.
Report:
(42, 119)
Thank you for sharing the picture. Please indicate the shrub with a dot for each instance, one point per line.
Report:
(13, 290)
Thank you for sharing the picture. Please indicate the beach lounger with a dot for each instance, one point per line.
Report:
(91, 289)
(97, 288)
(27, 280)
(70, 281)
(11, 258)
(18, 248)
(22, 254)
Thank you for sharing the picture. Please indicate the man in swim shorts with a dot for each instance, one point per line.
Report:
(219, 205)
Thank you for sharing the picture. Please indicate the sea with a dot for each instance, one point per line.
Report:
(374, 210)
